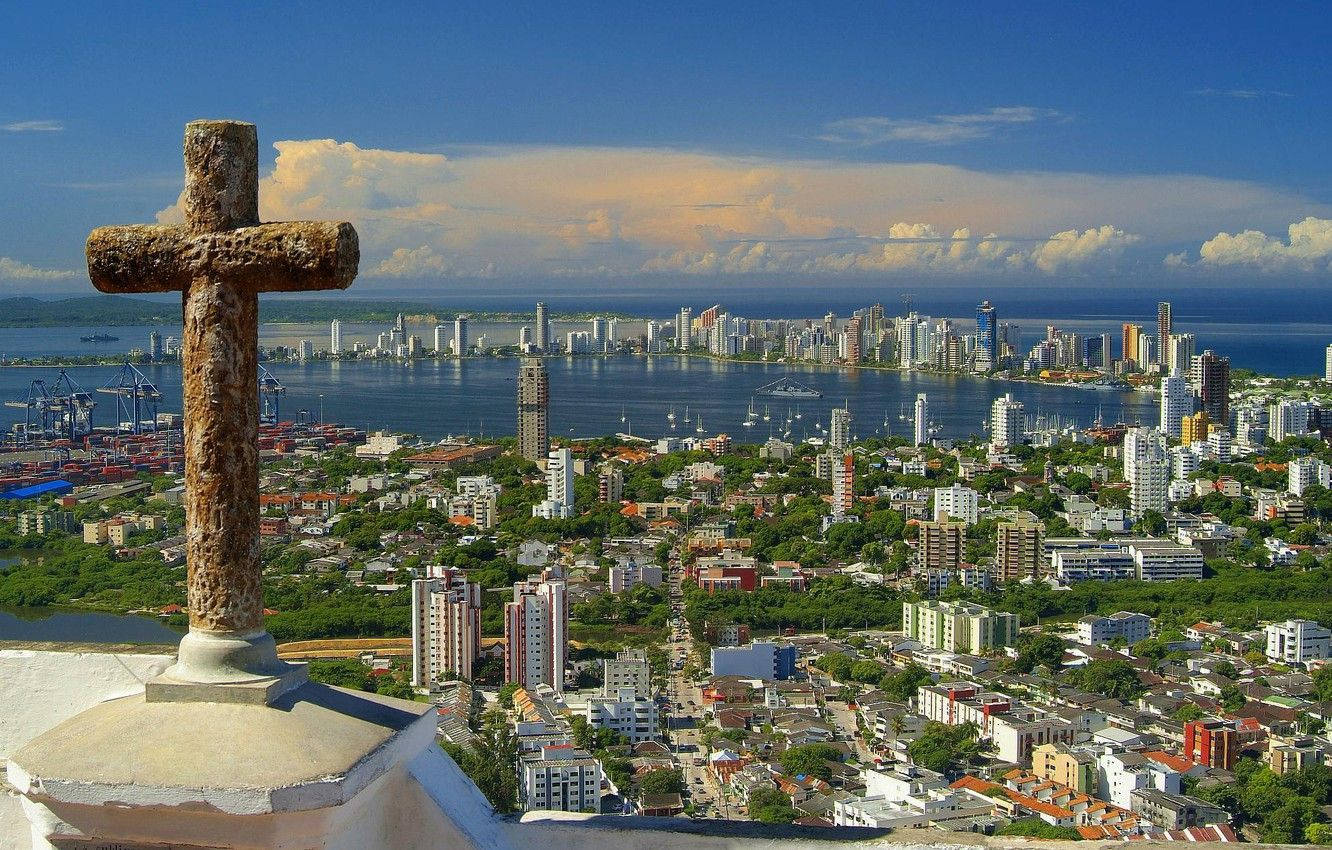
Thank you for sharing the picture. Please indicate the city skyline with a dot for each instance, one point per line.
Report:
(853, 164)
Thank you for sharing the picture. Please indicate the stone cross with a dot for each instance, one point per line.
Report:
(221, 259)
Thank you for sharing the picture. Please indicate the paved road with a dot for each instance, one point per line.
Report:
(686, 722)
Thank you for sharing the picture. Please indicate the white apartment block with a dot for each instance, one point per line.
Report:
(562, 779)
(1297, 641)
(446, 625)
(1120, 774)
(1288, 418)
(559, 503)
(1146, 469)
(625, 577)
(1006, 416)
(1014, 728)
(1095, 631)
(959, 626)
(1163, 560)
(625, 711)
(1176, 403)
(536, 634)
(1304, 472)
(956, 502)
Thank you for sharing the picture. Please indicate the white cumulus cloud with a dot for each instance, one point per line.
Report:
(516, 212)
(15, 270)
(1306, 248)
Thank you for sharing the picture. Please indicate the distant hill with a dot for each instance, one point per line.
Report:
(110, 310)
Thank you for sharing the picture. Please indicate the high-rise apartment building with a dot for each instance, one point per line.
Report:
(446, 625)
(400, 326)
(922, 420)
(940, 545)
(460, 343)
(684, 329)
(844, 491)
(1019, 553)
(598, 334)
(305, 350)
(441, 340)
(1146, 359)
(610, 484)
(1327, 365)
(987, 337)
(335, 337)
(1182, 349)
(155, 346)
(1146, 469)
(957, 502)
(1210, 377)
(1164, 328)
(541, 339)
(536, 634)
(1006, 422)
(1194, 428)
(1288, 418)
(851, 337)
(839, 431)
(1129, 346)
(1176, 403)
(559, 503)
(533, 407)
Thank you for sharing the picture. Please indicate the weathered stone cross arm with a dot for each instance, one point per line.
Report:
(278, 257)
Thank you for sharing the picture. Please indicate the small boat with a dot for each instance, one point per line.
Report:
(622, 416)
(699, 429)
(670, 416)
(797, 411)
(766, 415)
(751, 417)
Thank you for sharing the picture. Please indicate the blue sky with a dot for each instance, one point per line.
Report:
(614, 142)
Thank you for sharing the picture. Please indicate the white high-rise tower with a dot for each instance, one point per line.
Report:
(922, 420)
(460, 344)
(335, 337)
(1006, 422)
(1176, 403)
(1146, 469)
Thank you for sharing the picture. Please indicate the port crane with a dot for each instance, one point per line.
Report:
(137, 398)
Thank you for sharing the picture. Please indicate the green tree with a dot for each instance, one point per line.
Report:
(663, 781)
(1108, 677)
(809, 760)
(768, 805)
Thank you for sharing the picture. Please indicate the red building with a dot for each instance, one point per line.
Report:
(1214, 743)
(714, 578)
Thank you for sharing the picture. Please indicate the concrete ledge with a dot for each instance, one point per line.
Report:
(314, 747)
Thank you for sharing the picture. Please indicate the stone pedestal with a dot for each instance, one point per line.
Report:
(318, 767)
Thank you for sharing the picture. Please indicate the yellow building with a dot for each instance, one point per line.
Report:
(1057, 763)
(1193, 429)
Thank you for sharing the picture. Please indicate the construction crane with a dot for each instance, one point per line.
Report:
(271, 392)
(136, 399)
(58, 410)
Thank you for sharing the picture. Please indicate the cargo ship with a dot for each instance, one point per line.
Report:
(100, 338)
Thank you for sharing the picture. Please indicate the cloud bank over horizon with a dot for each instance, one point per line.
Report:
(507, 212)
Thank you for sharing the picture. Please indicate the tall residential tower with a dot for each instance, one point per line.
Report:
(533, 406)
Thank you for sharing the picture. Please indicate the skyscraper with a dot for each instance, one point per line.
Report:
(542, 329)
(598, 334)
(1176, 403)
(335, 337)
(400, 327)
(1327, 365)
(852, 337)
(155, 345)
(446, 625)
(1210, 377)
(1018, 551)
(1129, 348)
(1180, 358)
(1146, 469)
(839, 432)
(1163, 331)
(1006, 422)
(460, 344)
(441, 340)
(987, 337)
(922, 430)
(305, 350)
(536, 634)
(533, 406)
(684, 329)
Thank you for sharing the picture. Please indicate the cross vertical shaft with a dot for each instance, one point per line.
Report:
(220, 261)
(221, 327)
